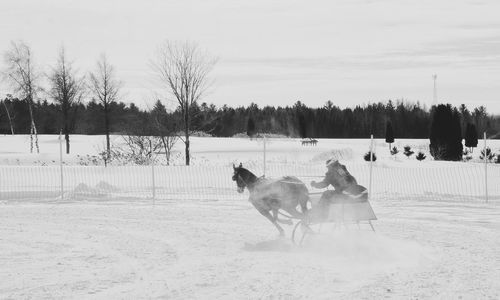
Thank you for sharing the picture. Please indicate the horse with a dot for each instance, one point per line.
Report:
(270, 195)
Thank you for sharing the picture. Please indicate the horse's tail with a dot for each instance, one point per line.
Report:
(304, 196)
(300, 191)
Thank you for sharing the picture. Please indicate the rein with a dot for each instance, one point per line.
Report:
(288, 216)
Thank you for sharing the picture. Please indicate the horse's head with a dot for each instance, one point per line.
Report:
(239, 177)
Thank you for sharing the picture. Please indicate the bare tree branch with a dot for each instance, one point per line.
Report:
(183, 70)
(23, 78)
(105, 87)
(67, 89)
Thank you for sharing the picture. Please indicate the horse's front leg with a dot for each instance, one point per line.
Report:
(268, 215)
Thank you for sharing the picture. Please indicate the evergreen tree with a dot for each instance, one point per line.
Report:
(420, 156)
(250, 127)
(489, 155)
(465, 117)
(407, 151)
(389, 134)
(302, 126)
(394, 151)
(471, 136)
(445, 135)
(369, 156)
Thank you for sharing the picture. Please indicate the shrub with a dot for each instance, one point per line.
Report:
(394, 151)
(420, 156)
(368, 154)
(466, 155)
(489, 154)
(407, 151)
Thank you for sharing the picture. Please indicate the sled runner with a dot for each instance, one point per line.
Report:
(331, 207)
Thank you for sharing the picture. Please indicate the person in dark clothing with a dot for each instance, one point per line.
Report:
(345, 185)
(341, 180)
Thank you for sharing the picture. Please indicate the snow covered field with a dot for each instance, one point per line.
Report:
(436, 237)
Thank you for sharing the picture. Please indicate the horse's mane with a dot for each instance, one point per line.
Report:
(249, 175)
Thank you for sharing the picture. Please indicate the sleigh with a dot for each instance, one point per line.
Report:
(341, 211)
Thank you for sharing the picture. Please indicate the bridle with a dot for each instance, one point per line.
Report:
(240, 178)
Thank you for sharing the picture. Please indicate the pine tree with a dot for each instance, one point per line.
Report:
(368, 158)
(389, 134)
(302, 126)
(471, 136)
(488, 154)
(250, 127)
(445, 136)
(407, 151)
(420, 156)
(394, 151)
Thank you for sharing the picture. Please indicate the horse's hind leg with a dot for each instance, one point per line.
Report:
(303, 217)
(282, 221)
(268, 215)
(294, 212)
(303, 204)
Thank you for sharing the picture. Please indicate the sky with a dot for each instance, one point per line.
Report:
(351, 52)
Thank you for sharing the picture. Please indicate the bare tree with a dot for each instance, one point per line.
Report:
(67, 89)
(21, 74)
(183, 69)
(9, 115)
(105, 88)
(165, 128)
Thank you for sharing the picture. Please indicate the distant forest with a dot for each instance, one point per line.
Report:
(409, 120)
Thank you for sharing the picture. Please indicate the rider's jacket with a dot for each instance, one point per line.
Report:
(338, 176)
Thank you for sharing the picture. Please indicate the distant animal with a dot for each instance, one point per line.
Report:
(268, 196)
(310, 141)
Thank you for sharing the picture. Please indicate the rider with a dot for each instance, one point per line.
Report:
(345, 185)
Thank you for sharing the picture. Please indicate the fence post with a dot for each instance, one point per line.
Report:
(61, 164)
(371, 168)
(485, 169)
(153, 181)
(264, 165)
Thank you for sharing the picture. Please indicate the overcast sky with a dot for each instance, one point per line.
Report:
(277, 52)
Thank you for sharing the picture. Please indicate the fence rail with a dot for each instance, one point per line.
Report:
(436, 180)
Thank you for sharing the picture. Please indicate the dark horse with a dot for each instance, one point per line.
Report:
(270, 195)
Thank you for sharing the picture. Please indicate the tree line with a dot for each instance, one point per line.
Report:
(408, 120)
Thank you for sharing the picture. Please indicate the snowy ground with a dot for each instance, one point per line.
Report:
(213, 250)
(433, 239)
